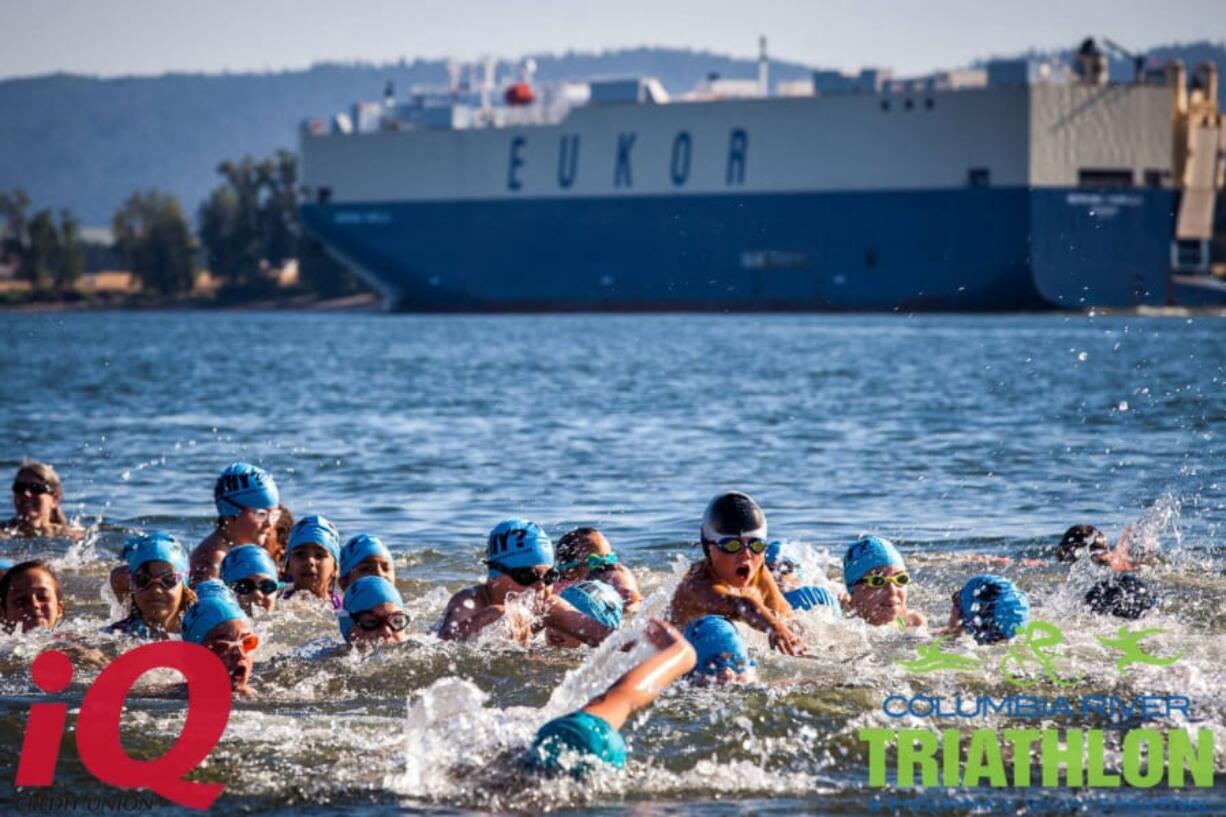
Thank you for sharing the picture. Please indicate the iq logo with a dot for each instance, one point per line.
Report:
(98, 742)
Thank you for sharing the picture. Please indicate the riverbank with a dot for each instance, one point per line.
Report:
(362, 302)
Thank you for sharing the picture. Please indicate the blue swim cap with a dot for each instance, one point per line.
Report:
(158, 546)
(518, 543)
(245, 561)
(587, 739)
(316, 530)
(597, 600)
(866, 555)
(367, 593)
(244, 486)
(6, 564)
(810, 596)
(782, 559)
(719, 645)
(215, 604)
(993, 608)
(360, 548)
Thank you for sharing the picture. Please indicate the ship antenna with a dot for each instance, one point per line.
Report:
(763, 68)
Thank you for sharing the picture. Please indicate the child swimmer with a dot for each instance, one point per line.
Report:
(876, 578)
(588, 739)
(989, 609)
(248, 507)
(732, 580)
(365, 555)
(250, 572)
(722, 654)
(373, 613)
(585, 553)
(519, 558)
(157, 565)
(217, 622)
(314, 559)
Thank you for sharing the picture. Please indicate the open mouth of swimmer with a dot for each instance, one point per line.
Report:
(742, 571)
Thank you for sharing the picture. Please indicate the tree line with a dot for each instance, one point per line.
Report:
(248, 229)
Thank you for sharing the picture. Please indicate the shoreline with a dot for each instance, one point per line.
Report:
(364, 302)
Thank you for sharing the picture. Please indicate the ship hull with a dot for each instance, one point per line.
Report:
(976, 249)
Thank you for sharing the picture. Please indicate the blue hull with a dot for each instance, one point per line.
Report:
(965, 249)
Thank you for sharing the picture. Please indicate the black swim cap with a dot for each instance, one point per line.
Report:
(1123, 596)
(732, 514)
(1078, 537)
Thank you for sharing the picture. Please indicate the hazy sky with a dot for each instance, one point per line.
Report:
(114, 37)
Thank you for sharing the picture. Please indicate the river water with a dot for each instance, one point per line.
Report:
(955, 436)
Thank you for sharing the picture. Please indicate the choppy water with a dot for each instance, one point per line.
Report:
(952, 435)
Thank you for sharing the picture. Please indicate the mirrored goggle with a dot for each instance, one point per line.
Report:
(878, 580)
(167, 580)
(266, 586)
(734, 544)
(372, 621)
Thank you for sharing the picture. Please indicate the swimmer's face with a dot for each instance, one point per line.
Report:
(372, 566)
(735, 569)
(257, 598)
(880, 605)
(312, 569)
(33, 499)
(380, 618)
(157, 604)
(253, 525)
(233, 642)
(32, 601)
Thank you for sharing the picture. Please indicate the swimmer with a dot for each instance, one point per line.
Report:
(585, 740)
(1123, 596)
(989, 609)
(365, 555)
(314, 558)
(519, 558)
(731, 580)
(248, 508)
(804, 597)
(585, 553)
(249, 571)
(37, 494)
(157, 564)
(598, 601)
(373, 613)
(30, 593)
(723, 655)
(216, 622)
(876, 578)
(1093, 541)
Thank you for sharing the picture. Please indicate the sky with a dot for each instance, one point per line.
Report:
(142, 37)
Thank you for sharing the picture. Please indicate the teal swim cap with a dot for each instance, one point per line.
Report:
(158, 546)
(215, 604)
(316, 530)
(367, 593)
(810, 596)
(244, 486)
(719, 645)
(245, 561)
(597, 600)
(6, 564)
(577, 743)
(360, 548)
(517, 543)
(993, 608)
(866, 555)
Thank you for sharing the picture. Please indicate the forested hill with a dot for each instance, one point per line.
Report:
(86, 143)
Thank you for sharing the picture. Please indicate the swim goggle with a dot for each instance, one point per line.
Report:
(593, 561)
(260, 515)
(266, 586)
(33, 488)
(733, 544)
(167, 580)
(245, 644)
(877, 580)
(527, 576)
(370, 621)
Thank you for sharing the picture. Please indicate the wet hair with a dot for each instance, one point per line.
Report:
(573, 544)
(45, 472)
(1078, 537)
(6, 581)
(1123, 596)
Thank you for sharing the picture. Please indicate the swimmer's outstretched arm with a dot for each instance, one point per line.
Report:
(562, 616)
(642, 684)
(753, 611)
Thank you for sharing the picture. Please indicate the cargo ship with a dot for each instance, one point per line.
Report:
(1023, 185)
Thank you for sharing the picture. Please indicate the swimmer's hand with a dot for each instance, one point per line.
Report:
(785, 641)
